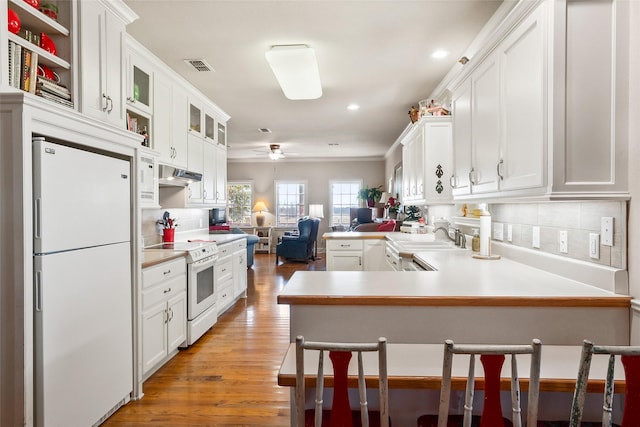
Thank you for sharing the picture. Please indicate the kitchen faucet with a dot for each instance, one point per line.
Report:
(459, 238)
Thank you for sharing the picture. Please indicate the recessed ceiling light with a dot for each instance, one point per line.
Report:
(353, 107)
(438, 54)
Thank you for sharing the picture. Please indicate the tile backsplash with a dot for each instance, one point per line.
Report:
(578, 219)
(187, 219)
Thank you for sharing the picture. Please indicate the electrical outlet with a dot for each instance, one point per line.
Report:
(606, 230)
(509, 232)
(535, 238)
(563, 240)
(594, 245)
(498, 231)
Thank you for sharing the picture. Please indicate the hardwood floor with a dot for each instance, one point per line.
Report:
(228, 378)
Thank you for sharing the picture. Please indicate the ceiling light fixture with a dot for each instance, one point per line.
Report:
(296, 70)
(439, 54)
(353, 107)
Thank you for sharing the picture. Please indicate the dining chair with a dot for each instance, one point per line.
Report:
(341, 414)
(630, 359)
(492, 358)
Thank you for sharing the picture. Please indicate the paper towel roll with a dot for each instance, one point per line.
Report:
(485, 235)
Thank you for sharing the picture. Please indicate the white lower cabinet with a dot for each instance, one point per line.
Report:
(374, 255)
(231, 273)
(240, 269)
(164, 312)
(345, 255)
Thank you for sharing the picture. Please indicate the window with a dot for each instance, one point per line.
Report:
(344, 196)
(239, 200)
(290, 202)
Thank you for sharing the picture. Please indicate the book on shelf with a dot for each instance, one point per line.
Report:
(15, 64)
(52, 87)
(25, 78)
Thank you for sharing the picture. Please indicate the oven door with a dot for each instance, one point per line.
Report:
(200, 286)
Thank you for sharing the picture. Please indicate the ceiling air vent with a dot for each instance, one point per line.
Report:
(199, 64)
(264, 130)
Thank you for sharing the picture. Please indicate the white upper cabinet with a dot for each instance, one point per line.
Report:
(542, 113)
(485, 127)
(102, 29)
(169, 121)
(523, 91)
(461, 110)
(427, 162)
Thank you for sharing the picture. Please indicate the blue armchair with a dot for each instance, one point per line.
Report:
(299, 247)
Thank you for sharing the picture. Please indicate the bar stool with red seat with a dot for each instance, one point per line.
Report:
(340, 414)
(492, 358)
(630, 358)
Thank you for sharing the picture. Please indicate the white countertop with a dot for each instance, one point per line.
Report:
(458, 276)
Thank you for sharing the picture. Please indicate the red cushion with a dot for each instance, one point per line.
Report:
(388, 226)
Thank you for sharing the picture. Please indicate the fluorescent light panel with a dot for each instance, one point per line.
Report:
(296, 70)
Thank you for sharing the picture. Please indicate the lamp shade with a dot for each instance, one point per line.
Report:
(260, 207)
(316, 211)
(296, 70)
(384, 198)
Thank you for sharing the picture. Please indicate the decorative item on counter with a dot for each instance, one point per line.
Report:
(392, 206)
(475, 241)
(47, 44)
(422, 227)
(414, 114)
(34, 3)
(168, 226)
(413, 213)
(14, 21)
(50, 9)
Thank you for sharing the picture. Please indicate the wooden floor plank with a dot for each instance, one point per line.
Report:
(229, 377)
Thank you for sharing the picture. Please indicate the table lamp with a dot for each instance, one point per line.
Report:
(260, 207)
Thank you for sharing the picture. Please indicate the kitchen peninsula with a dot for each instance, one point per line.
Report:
(464, 299)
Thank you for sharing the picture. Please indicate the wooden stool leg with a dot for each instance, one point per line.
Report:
(492, 409)
(340, 408)
(631, 414)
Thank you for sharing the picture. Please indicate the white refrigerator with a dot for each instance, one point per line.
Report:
(82, 284)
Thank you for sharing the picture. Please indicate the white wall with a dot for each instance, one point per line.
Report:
(317, 174)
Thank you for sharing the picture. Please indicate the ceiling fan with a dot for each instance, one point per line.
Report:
(275, 152)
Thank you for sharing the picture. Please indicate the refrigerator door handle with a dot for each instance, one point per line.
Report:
(38, 218)
(38, 291)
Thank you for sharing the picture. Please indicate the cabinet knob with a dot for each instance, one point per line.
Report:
(130, 99)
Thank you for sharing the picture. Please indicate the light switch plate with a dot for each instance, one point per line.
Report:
(606, 230)
(535, 238)
(563, 241)
(498, 231)
(594, 245)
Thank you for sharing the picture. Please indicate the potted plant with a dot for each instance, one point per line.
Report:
(370, 195)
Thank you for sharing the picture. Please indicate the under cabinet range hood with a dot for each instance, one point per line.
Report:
(169, 175)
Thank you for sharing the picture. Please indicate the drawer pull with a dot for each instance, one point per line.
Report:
(166, 291)
(167, 272)
(345, 246)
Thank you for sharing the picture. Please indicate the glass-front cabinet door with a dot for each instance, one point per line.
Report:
(139, 85)
(222, 134)
(209, 127)
(195, 119)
